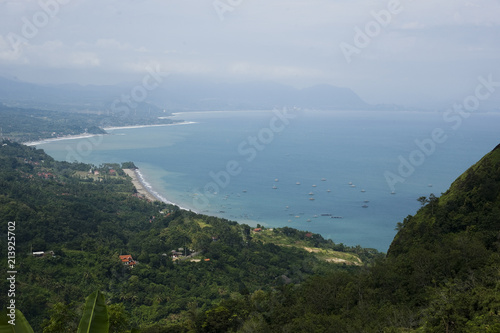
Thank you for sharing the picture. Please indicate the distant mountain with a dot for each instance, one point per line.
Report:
(180, 93)
(189, 94)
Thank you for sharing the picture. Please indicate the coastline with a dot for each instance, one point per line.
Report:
(145, 189)
(144, 126)
(66, 137)
(86, 135)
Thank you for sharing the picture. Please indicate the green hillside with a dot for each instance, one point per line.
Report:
(84, 217)
(442, 274)
(195, 273)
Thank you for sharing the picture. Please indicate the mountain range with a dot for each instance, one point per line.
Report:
(177, 93)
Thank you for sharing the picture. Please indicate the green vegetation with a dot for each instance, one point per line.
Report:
(23, 125)
(195, 273)
(89, 219)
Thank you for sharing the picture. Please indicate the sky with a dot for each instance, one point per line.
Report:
(415, 53)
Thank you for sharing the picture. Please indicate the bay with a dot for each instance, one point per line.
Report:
(245, 165)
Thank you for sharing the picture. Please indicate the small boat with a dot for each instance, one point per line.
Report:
(353, 185)
(315, 216)
(350, 183)
(328, 190)
(366, 201)
(430, 185)
(365, 206)
(276, 180)
(363, 190)
(297, 183)
(308, 220)
(311, 199)
(275, 187)
(326, 214)
(314, 185)
(323, 179)
(244, 191)
(310, 193)
(393, 192)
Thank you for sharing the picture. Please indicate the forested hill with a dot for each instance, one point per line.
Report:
(195, 273)
(471, 206)
(442, 274)
(83, 217)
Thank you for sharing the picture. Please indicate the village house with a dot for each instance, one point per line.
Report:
(127, 260)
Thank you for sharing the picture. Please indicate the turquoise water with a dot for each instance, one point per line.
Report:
(227, 163)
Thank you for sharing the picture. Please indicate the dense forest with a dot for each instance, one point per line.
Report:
(83, 217)
(195, 273)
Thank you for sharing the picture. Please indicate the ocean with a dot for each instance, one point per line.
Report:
(347, 175)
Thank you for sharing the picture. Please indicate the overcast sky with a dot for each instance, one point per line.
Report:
(405, 52)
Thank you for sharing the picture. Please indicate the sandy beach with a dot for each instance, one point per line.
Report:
(144, 189)
(143, 126)
(85, 135)
(141, 189)
(67, 137)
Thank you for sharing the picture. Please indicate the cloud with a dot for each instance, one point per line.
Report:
(293, 42)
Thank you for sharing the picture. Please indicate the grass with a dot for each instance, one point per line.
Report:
(329, 255)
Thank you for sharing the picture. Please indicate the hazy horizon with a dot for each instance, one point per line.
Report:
(403, 52)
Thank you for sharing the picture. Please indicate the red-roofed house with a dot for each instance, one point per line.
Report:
(127, 260)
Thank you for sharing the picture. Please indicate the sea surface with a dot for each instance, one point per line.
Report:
(364, 169)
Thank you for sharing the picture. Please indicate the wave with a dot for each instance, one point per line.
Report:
(151, 190)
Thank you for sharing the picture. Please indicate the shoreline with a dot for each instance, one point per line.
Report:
(86, 135)
(146, 190)
(144, 126)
